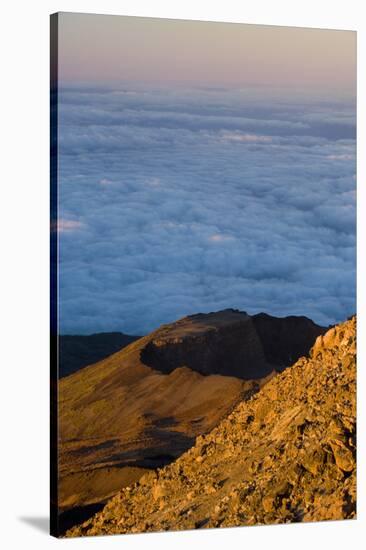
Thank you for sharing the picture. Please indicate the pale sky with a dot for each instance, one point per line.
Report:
(105, 48)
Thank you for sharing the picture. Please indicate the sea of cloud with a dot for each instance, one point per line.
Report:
(178, 201)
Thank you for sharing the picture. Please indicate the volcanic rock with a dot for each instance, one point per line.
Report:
(225, 342)
(285, 455)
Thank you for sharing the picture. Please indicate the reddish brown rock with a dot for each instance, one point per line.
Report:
(295, 464)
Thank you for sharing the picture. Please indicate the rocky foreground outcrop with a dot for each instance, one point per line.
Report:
(286, 455)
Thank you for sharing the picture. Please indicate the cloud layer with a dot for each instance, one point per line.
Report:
(174, 202)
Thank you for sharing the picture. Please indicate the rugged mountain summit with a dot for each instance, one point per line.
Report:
(143, 406)
(230, 343)
(223, 342)
(285, 455)
(264, 340)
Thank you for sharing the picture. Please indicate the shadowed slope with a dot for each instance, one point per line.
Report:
(77, 351)
(285, 339)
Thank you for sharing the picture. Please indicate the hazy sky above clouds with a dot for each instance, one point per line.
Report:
(105, 48)
(234, 187)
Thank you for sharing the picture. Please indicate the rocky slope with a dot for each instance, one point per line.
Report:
(143, 406)
(285, 455)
